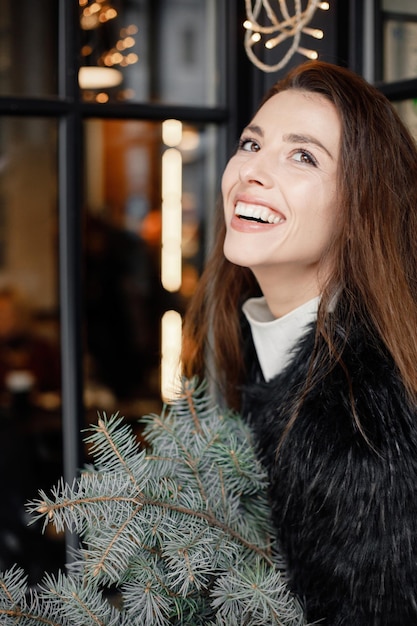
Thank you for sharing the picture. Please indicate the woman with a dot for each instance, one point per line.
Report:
(318, 244)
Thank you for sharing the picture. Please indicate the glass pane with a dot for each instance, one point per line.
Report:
(149, 194)
(30, 415)
(407, 109)
(151, 50)
(400, 51)
(28, 47)
(399, 6)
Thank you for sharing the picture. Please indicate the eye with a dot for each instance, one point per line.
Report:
(248, 145)
(303, 156)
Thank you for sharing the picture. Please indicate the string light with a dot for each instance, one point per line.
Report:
(280, 30)
(103, 67)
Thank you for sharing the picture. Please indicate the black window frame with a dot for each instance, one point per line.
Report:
(70, 112)
(394, 90)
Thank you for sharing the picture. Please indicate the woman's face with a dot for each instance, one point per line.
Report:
(279, 189)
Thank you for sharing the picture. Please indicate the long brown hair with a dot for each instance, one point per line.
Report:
(374, 256)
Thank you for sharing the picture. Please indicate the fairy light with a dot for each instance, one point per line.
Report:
(310, 54)
(280, 29)
(103, 68)
(317, 33)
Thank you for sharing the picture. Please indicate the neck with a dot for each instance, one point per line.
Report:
(286, 291)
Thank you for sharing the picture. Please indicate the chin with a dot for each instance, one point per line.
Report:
(236, 259)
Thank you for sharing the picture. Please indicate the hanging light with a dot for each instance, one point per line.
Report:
(102, 67)
(96, 77)
(278, 31)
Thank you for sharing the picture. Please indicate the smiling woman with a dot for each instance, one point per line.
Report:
(279, 195)
(306, 321)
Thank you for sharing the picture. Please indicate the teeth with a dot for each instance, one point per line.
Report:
(256, 212)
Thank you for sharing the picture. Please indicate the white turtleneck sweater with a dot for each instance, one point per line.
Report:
(274, 338)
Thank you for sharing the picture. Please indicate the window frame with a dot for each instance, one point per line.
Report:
(398, 90)
(71, 112)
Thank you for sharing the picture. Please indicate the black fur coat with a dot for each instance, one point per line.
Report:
(345, 511)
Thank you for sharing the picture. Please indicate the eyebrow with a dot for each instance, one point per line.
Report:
(254, 128)
(306, 139)
(292, 138)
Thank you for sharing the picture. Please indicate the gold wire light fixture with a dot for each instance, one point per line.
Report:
(281, 27)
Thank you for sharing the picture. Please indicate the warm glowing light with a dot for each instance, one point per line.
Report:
(132, 58)
(102, 97)
(116, 57)
(99, 77)
(171, 257)
(172, 133)
(190, 140)
(275, 26)
(317, 33)
(171, 336)
(88, 22)
(128, 94)
(271, 43)
(129, 42)
(310, 54)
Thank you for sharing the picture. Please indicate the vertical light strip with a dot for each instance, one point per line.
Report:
(171, 256)
(171, 335)
(171, 261)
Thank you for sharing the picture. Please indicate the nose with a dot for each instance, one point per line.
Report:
(256, 170)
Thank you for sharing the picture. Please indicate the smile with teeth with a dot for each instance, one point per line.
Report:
(257, 213)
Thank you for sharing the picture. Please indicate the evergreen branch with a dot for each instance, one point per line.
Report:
(4, 587)
(189, 393)
(119, 453)
(182, 531)
(212, 521)
(188, 460)
(100, 567)
(19, 604)
(18, 615)
(71, 598)
(49, 509)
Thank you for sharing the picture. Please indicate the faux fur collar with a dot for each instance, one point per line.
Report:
(344, 502)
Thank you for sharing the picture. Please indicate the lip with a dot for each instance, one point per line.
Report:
(248, 225)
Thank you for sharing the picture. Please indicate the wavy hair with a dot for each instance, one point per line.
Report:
(374, 255)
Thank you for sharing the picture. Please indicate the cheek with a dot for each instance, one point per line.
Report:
(230, 175)
(328, 222)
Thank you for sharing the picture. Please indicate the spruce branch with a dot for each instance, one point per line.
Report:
(181, 530)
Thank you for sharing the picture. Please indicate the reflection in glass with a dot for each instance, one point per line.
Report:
(146, 201)
(150, 50)
(400, 51)
(399, 6)
(30, 415)
(28, 47)
(407, 110)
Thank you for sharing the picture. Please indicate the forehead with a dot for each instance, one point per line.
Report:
(296, 110)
